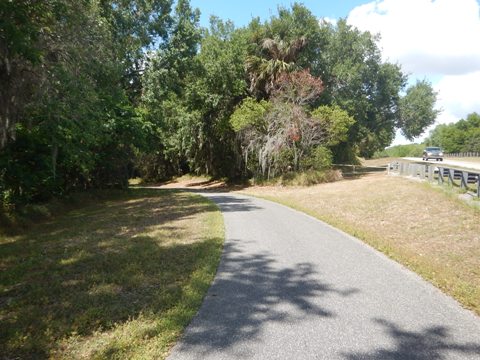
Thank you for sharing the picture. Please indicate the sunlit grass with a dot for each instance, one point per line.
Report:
(119, 279)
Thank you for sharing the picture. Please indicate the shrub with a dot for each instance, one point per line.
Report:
(320, 159)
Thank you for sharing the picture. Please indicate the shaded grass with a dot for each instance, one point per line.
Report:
(433, 234)
(116, 280)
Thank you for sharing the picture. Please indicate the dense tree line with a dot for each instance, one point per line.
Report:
(70, 74)
(462, 136)
(94, 91)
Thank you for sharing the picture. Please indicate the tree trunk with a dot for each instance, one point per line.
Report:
(54, 160)
(4, 102)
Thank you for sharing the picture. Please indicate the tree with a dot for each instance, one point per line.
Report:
(136, 26)
(417, 109)
(74, 128)
(462, 136)
(300, 88)
(354, 76)
(21, 25)
(279, 57)
(169, 72)
(214, 94)
(358, 82)
(283, 134)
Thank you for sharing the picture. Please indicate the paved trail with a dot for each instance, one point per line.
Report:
(291, 287)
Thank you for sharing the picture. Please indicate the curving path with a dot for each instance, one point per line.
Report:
(291, 287)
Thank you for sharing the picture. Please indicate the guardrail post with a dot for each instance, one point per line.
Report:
(430, 172)
(440, 175)
(478, 186)
(451, 174)
(464, 180)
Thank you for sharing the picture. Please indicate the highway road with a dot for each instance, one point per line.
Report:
(291, 287)
(449, 162)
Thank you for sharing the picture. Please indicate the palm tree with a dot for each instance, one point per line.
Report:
(280, 57)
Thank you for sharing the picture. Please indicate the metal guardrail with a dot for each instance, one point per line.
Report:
(464, 154)
(441, 174)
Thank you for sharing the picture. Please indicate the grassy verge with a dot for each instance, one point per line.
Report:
(379, 162)
(431, 233)
(119, 279)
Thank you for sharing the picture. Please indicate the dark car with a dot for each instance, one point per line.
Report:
(432, 153)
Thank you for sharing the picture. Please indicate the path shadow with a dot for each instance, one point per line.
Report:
(251, 292)
(433, 342)
(227, 203)
(233, 203)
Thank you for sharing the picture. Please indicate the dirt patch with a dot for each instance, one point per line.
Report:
(194, 183)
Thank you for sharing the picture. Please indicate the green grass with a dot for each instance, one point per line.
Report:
(115, 280)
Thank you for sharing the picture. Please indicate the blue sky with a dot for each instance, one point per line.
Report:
(435, 40)
(241, 12)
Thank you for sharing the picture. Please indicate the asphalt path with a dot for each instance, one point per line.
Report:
(291, 287)
(446, 162)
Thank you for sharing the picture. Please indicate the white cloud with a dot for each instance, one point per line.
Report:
(425, 36)
(436, 39)
(458, 96)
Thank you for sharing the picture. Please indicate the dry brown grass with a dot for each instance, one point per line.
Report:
(412, 222)
(378, 162)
